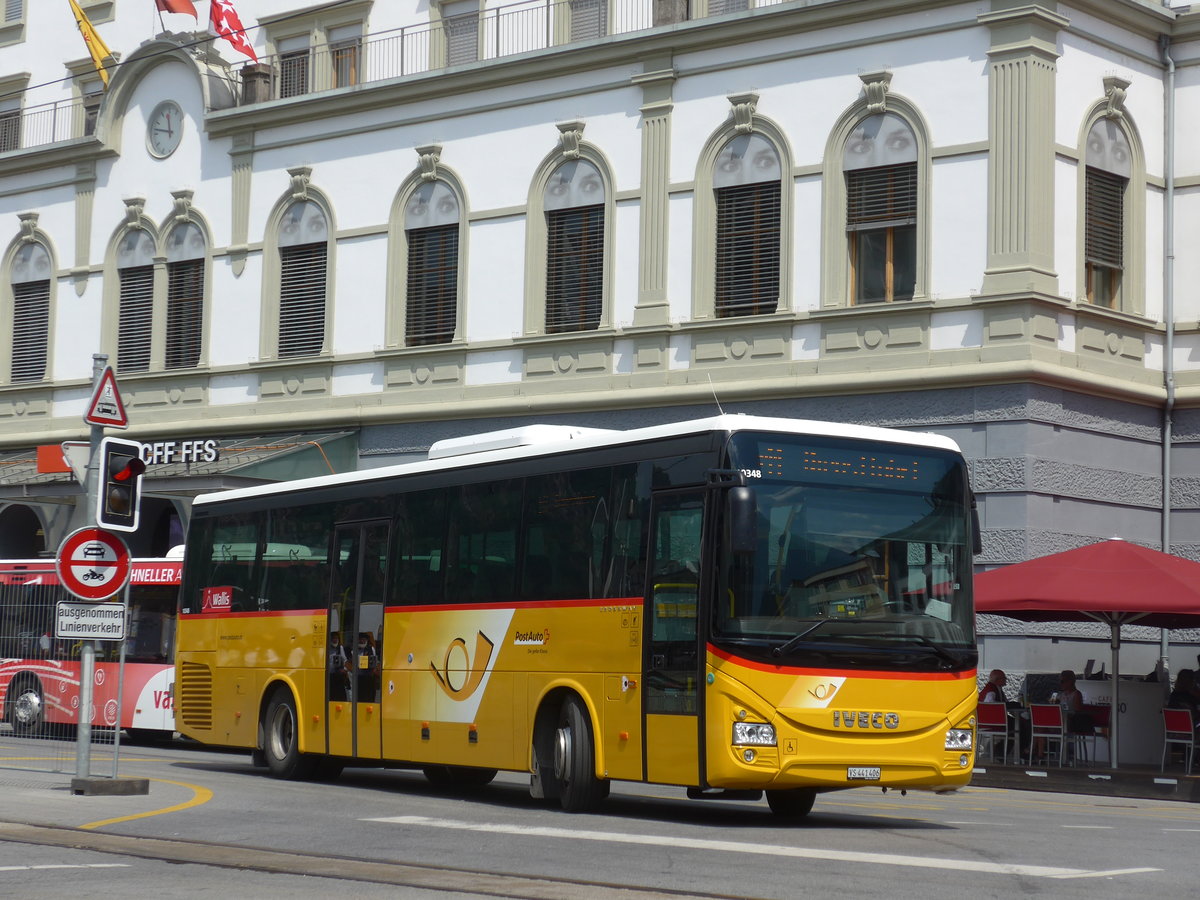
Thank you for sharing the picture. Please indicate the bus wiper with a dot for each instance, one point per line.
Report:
(793, 642)
(938, 651)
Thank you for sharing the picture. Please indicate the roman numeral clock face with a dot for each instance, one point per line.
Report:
(165, 129)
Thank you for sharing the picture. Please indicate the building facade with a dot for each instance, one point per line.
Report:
(400, 222)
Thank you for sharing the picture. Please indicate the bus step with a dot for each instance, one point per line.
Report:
(717, 794)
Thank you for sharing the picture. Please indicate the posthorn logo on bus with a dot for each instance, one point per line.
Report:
(848, 718)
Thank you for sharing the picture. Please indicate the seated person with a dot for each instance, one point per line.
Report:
(993, 691)
(1071, 701)
(1183, 696)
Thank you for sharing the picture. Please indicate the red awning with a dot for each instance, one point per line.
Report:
(1111, 581)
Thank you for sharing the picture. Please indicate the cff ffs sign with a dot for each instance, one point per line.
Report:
(165, 452)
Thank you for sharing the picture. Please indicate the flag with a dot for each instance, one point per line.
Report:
(96, 47)
(177, 6)
(223, 22)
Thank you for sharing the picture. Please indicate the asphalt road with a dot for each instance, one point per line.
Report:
(214, 826)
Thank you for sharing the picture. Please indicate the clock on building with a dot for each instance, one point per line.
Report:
(164, 129)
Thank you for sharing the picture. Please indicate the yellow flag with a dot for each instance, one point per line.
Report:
(96, 46)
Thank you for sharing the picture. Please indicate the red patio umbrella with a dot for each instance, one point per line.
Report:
(1114, 582)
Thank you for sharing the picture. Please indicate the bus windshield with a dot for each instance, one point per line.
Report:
(840, 553)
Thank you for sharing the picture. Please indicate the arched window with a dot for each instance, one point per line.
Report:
(574, 206)
(431, 226)
(185, 296)
(1106, 179)
(880, 165)
(303, 262)
(746, 190)
(135, 317)
(31, 312)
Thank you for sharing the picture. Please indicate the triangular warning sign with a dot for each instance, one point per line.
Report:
(106, 407)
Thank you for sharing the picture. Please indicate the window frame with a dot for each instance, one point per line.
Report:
(1128, 296)
(8, 322)
(285, 32)
(272, 283)
(837, 275)
(537, 235)
(160, 289)
(704, 216)
(396, 324)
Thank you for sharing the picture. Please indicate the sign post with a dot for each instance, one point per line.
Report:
(93, 564)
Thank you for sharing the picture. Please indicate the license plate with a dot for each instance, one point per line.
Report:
(862, 773)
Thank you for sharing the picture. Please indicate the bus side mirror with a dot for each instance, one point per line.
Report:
(743, 519)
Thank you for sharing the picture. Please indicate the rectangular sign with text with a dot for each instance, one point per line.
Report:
(90, 621)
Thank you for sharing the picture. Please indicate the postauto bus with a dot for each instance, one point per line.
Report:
(731, 605)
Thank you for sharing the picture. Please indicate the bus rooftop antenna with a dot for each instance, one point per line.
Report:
(716, 399)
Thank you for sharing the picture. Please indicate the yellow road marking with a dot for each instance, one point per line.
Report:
(201, 795)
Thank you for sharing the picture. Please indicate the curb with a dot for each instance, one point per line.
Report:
(1140, 785)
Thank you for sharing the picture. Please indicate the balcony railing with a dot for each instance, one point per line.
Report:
(492, 34)
(521, 27)
(48, 123)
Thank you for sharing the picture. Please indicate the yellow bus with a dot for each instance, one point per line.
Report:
(732, 605)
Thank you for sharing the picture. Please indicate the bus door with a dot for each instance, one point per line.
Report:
(353, 663)
(674, 665)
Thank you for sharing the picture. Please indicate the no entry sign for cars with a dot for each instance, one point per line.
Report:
(93, 564)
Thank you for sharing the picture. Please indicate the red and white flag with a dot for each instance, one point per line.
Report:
(177, 6)
(223, 22)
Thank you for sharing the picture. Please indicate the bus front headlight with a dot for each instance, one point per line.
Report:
(959, 739)
(755, 734)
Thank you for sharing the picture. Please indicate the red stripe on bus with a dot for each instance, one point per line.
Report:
(845, 673)
(258, 614)
(522, 604)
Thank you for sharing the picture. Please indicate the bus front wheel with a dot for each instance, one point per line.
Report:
(579, 790)
(281, 737)
(26, 708)
(794, 804)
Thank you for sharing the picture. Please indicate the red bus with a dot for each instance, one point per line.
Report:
(39, 674)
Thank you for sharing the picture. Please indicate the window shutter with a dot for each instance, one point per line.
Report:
(882, 197)
(14, 10)
(31, 330)
(1105, 218)
(589, 19)
(302, 299)
(432, 285)
(185, 313)
(574, 268)
(462, 39)
(136, 318)
(293, 73)
(10, 130)
(747, 249)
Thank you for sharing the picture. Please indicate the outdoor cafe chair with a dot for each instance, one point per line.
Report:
(1047, 724)
(992, 719)
(1178, 729)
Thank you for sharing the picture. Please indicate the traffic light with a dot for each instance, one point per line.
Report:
(119, 498)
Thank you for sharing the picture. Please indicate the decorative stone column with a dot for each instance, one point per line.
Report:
(1021, 75)
(656, 81)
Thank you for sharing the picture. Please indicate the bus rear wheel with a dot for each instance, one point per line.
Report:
(794, 804)
(579, 790)
(281, 739)
(26, 708)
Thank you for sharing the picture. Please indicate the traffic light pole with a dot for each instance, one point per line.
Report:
(87, 652)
